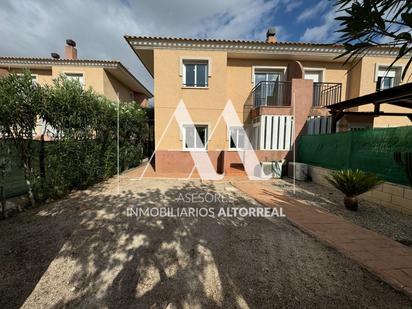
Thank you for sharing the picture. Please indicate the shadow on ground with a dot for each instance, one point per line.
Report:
(84, 251)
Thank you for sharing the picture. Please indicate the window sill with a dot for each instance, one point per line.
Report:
(194, 150)
(192, 87)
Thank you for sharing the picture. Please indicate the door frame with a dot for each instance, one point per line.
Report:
(281, 69)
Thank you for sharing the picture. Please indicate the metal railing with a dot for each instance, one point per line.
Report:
(325, 94)
(271, 93)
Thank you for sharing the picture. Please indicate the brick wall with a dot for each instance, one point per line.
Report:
(387, 194)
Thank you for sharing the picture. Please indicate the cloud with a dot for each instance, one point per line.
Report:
(30, 28)
(326, 32)
(313, 11)
(293, 5)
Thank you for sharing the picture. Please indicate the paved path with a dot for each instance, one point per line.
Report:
(384, 257)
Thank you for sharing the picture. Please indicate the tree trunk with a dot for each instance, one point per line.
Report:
(42, 166)
(27, 176)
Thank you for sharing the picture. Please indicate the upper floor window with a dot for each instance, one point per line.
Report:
(75, 76)
(267, 76)
(315, 75)
(195, 73)
(386, 79)
(195, 137)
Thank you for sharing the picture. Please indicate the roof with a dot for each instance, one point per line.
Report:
(108, 64)
(143, 47)
(133, 37)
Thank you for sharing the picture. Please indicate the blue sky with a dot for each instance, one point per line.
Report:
(37, 28)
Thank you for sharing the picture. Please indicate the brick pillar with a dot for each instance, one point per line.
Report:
(301, 102)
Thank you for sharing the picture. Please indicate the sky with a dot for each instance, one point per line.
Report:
(37, 28)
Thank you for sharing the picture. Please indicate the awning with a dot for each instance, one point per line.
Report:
(398, 96)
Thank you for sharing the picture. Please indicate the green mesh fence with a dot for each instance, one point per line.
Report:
(369, 150)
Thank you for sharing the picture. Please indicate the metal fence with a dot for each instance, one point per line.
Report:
(272, 93)
(369, 150)
(325, 94)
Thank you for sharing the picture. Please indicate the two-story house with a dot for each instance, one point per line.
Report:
(109, 78)
(278, 90)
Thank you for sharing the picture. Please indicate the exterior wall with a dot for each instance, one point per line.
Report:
(333, 73)
(232, 79)
(204, 105)
(388, 194)
(114, 90)
(96, 78)
(44, 76)
(93, 77)
(368, 85)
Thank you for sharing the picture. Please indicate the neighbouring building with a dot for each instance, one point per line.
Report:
(109, 78)
(279, 91)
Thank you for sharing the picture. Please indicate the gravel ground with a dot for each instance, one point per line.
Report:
(83, 251)
(370, 215)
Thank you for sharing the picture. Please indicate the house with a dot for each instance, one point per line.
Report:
(279, 90)
(109, 78)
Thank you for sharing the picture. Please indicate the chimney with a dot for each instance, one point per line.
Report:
(55, 56)
(70, 50)
(271, 35)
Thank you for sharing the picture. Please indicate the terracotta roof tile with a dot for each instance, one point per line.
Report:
(131, 37)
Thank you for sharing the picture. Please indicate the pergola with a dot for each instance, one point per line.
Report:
(398, 96)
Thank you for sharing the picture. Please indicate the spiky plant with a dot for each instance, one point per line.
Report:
(352, 183)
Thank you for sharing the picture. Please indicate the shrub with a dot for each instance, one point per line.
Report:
(352, 183)
(84, 129)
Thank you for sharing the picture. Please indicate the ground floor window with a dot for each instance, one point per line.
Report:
(195, 136)
(237, 137)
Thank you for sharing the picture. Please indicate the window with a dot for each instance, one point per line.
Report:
(33, 77)
(315, 75)
(195, 73)
(386, 79)
(195, 136)
(75, 76)
(237, 137)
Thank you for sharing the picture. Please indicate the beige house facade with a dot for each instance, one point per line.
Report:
(109, 78)
(279, 90)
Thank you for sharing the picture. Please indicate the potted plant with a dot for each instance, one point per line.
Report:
(352, 183)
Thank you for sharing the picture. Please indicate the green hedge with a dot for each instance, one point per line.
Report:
(85, 129)
(369, 150)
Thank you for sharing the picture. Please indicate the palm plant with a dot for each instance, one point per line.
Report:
(352, 183)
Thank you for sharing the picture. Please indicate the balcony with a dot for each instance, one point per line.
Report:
(325, 94)
(271, 93)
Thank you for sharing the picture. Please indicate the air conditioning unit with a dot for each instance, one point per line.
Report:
(298, 171)
(272, 169)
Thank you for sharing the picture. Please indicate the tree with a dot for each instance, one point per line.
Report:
(20, 101)
(375, 23)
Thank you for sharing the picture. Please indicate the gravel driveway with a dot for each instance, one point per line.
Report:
(84, 251)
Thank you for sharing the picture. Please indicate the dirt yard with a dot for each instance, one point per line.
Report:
(84, 251)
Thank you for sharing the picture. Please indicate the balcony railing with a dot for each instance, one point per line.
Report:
(271, 93)
(325, 94)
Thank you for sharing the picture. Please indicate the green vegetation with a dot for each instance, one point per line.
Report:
(375, 23)
(352, 183)
(404, 159)
(78, 143)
